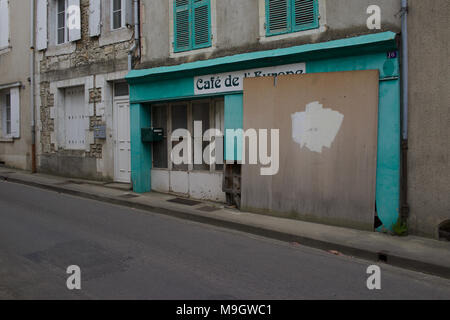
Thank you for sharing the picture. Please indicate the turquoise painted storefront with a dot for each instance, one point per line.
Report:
(369, 52)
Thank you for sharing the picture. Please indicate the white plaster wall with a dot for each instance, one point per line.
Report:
(206, 186)
(160, 181)
(200, 185)
(179, 182)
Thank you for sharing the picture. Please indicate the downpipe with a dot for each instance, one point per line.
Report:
(136, 44)
(32, 87)
(405, 85)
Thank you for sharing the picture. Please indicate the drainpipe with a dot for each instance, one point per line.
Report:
(32, 87)
(405, 72)
(136, 44)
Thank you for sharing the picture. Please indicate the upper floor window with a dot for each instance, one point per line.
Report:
(192, 24)
(61, 29)
(4, 24)
(286, 16)
(117, 14)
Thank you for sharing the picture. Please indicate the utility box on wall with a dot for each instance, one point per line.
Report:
(152, 134)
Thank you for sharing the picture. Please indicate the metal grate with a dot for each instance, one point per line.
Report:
(186, 202)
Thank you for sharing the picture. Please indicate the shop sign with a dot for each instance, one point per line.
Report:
(234, 81)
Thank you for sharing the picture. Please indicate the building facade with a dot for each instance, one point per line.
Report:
(429, 117)
(213, 60)
(15, 87)
(81, 61)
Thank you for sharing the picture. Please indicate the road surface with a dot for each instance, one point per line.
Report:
(131, 254)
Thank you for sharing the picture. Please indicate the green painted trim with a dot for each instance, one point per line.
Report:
(233, 119)
(190, 7)
(388, 161)
(378, 42)
(141, 153)
(162, 90)
(291, 19)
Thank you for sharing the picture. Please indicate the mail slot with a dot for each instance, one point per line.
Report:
(152, 134)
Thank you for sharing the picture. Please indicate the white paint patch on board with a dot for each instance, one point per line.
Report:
(317, 127)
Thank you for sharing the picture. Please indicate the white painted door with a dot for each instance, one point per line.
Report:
(122, 141)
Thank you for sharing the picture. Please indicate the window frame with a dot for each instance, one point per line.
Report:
(192, 46)
(66, 30)
(7, 30)
(213, 102)
(122, 15)
(5, 103)
(291, 27)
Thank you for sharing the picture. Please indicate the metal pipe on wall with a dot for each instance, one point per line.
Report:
(32, 87)
(405, 83)
(136, 44)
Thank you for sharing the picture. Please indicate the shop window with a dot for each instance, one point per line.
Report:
(159, 119)
(183, 115)
(192, 24)
(200, 112)
(287, 16)
(179, 114)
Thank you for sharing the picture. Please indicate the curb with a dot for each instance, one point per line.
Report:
(380, 257)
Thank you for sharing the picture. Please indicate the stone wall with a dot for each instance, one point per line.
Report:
(86, 60)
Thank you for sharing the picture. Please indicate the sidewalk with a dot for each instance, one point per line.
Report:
(414, 253)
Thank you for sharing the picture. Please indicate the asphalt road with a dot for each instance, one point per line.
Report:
(130, 254)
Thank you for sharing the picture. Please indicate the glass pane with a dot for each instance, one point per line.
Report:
(117, 5)
(179, 121)
(200, 113)
(60, 35)
(219, 124)
(121, 89)
(159, 119)
(61, 5)
(61, 20)
(117, 20)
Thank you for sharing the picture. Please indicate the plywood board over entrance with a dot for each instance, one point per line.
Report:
(327, 148)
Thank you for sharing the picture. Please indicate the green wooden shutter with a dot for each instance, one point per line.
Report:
(182, 25)
(201, 16)
(305, 15)
(278, 19)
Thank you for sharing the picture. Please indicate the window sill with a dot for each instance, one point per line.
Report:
(6, 140)
(61, 49)
(192, 52)
(115, 36)
(4, 50)
(296, 34)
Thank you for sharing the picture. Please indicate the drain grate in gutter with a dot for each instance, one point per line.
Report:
(129, 196)
(208, 209)
(186, 202)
